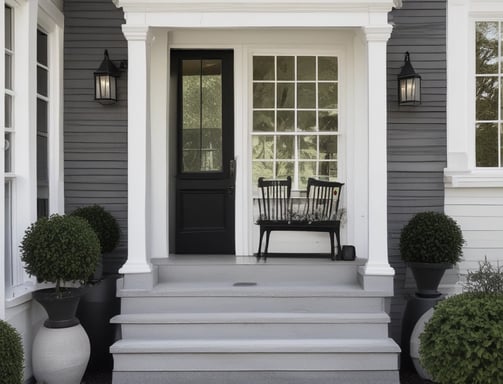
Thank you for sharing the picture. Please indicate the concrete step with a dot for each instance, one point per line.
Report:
(256, 355)
(252, 325)
(226, 298)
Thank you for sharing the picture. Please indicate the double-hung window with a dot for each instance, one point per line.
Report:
(489, 94)
(33, 166)
(42, 125)
(295, 117)
(9, 141)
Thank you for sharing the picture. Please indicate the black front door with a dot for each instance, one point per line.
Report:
(205, 151)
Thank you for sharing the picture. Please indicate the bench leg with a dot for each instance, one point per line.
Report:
(259, 253)
(268, 234)
(332, 248)
(339, 247)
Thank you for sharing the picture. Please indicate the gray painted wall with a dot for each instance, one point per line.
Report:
(416, 134)
(95, 135)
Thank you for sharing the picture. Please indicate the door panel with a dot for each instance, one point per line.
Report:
(205, 146)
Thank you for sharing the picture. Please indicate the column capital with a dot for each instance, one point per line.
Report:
(378, 32)
(135, 32)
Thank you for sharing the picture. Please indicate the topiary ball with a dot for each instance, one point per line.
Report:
(11, 355)
(60, 248)
(431, 237)
(104, 224)
(463, 341)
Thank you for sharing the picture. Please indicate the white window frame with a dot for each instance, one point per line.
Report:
(461, 168)
(499, 75)
(28, 17)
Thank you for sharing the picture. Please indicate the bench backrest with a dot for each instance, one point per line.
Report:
(322, 202)
(274, 198)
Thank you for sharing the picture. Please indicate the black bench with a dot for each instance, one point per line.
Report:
(317, 213)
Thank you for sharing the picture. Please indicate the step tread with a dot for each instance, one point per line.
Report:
(250, 317)
(230, 260)
(383, 345)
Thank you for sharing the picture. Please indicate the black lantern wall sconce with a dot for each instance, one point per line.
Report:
(409, 84)
(105, 80)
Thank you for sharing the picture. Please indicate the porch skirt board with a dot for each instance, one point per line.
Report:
(259, 377)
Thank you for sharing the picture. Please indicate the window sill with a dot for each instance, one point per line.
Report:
(21, 294)
(474, 178)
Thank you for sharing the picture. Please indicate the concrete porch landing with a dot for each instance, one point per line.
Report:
(224, 320)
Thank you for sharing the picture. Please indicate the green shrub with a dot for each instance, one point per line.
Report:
(60, 248)
(488, 279)
(104, 224)
(463, 341)
(11, 355)
(431, 237)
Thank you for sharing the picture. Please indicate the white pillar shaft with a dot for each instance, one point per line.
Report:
(377, 263)
(138, 150)
(159, 214)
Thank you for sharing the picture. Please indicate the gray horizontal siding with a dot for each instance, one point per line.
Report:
(95, 135)
(416, 134)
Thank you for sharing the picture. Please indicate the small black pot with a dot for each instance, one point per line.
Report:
(61, 310)
(428, 276)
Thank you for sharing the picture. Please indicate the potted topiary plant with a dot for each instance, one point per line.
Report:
(11, 355)
(100, 303)
(60, 249)
(430, 243)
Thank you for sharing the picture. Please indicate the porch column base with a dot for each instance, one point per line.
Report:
(138, 276)
(377, 278)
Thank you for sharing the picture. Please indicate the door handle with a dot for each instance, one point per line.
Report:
(232, 170)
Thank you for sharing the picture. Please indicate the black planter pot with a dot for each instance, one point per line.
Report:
(428, 276)
(95, 310)
(61, 310)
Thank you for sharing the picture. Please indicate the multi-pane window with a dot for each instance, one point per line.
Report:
(489, 92)
(9, 92)
(295, 118)
(202, 115)
(8, 143)
(42, 126)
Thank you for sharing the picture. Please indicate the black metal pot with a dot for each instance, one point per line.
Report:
(428, 276)
(61, 310)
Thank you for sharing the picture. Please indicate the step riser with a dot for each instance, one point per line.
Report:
(251, 331)
(255, 361)
(284, 377)
(224, 304)
(261, 273)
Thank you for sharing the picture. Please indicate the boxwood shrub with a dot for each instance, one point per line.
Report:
(11, 355)
(463, 341)
(431, 237)
(60, 248)
(104, 224)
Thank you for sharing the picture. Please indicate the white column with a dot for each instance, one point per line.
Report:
(460, 128)
(159, 102)
(377, 263)
(138, 150)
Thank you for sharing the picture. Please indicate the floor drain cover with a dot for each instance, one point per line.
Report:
(244, 284)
